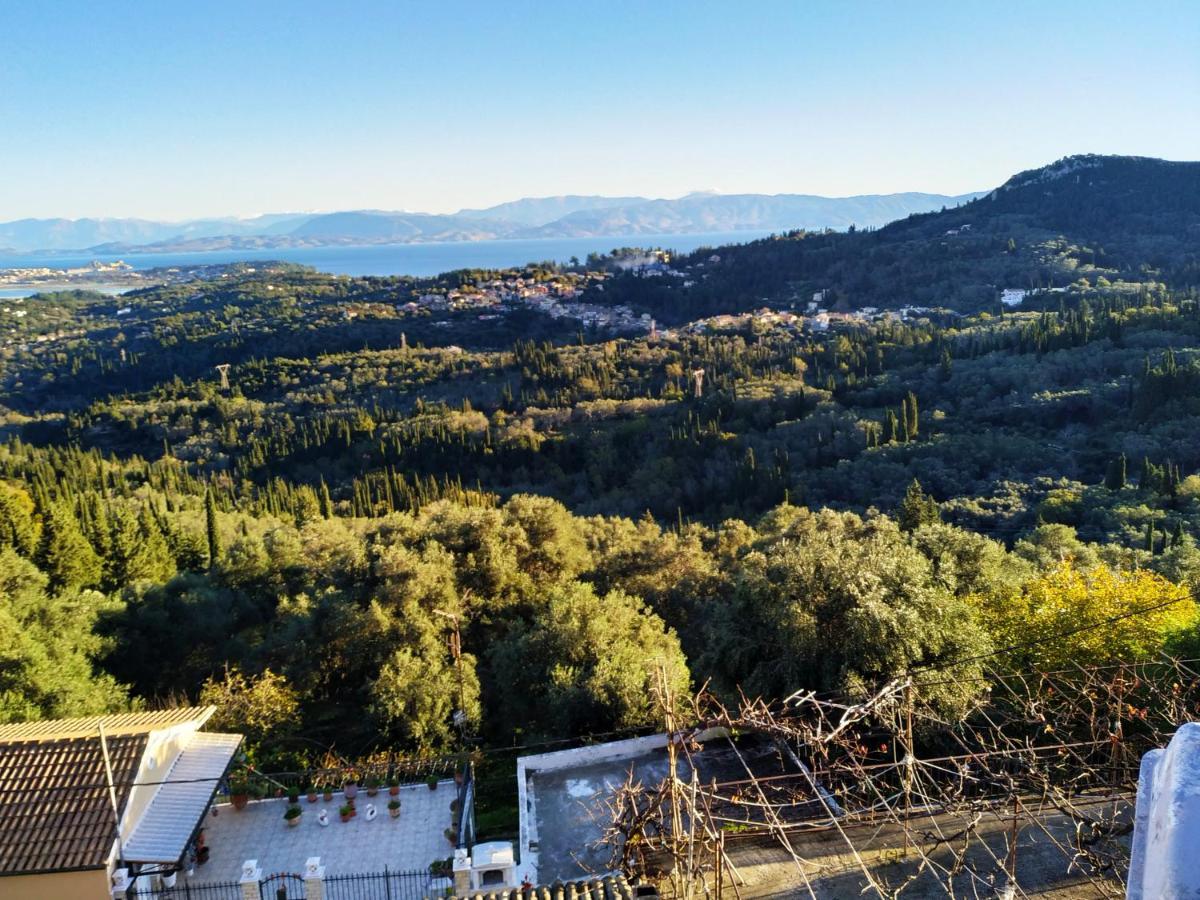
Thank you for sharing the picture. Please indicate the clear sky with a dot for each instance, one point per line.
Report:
(168, 109)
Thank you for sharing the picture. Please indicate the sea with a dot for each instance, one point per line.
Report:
(395, 259)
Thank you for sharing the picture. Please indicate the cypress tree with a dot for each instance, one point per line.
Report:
(64, 553)
(1146, 479)
(156, 556)
(16, 524)
(210, 522)
(1115, 479)
(325, 500)
(911, 417)
(917, 508)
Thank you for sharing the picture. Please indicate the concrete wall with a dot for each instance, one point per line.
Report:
(92, 885)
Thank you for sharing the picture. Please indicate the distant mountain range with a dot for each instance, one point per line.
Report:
(534, 217)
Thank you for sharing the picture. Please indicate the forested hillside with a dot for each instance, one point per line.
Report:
(834, 507)
(1086, 220)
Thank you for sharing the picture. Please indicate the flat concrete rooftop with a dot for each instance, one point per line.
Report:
(565, 816)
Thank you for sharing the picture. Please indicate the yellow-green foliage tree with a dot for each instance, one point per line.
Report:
(1089, 616)
(257, 706)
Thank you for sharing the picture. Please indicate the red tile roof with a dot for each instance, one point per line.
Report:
(117, 723)
(55, 809)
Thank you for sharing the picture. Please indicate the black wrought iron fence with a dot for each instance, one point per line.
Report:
(385, 885)
(186, 890)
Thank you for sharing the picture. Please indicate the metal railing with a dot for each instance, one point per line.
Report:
(279, 784)
(385, 885)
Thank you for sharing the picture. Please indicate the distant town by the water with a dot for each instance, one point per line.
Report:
(23, 274)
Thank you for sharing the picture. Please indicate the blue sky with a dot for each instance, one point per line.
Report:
(174, 109)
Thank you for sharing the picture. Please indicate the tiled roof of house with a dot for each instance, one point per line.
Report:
(610, 887)
(55, 810)
(121, 723)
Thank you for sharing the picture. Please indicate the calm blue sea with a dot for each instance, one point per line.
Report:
(404, 259)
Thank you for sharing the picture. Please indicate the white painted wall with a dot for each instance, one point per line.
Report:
(1165, 863)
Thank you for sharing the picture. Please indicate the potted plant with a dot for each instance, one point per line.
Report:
(310, 791)
(293, 796)
(451, 836)
(394, 786)
(432, 781)
(350, 788)
(239, 792)
(327, 792)
(293, 814)
(345, 811)
(394, 809)
(372, 785)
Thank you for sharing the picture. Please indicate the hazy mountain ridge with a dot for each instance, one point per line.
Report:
(536, 211)
(577, 216)
(72, 234)
(746, 212)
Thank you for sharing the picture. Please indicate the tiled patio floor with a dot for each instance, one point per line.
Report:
(259, 832)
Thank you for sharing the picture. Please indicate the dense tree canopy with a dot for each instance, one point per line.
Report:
(394, 515)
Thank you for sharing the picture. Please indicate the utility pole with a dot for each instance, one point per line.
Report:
(908, 760)
(112, 791)
(455, 643)
(223, 368)
(697, 382)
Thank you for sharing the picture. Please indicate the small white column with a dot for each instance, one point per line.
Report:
(251, 876)
(314, 879)
(462, 871)
(120, 884)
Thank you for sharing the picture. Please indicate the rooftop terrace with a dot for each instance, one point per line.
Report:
(259, 832)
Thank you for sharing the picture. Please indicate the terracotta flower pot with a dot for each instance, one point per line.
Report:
(239, 801)
(312, 796)
(394, 790)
